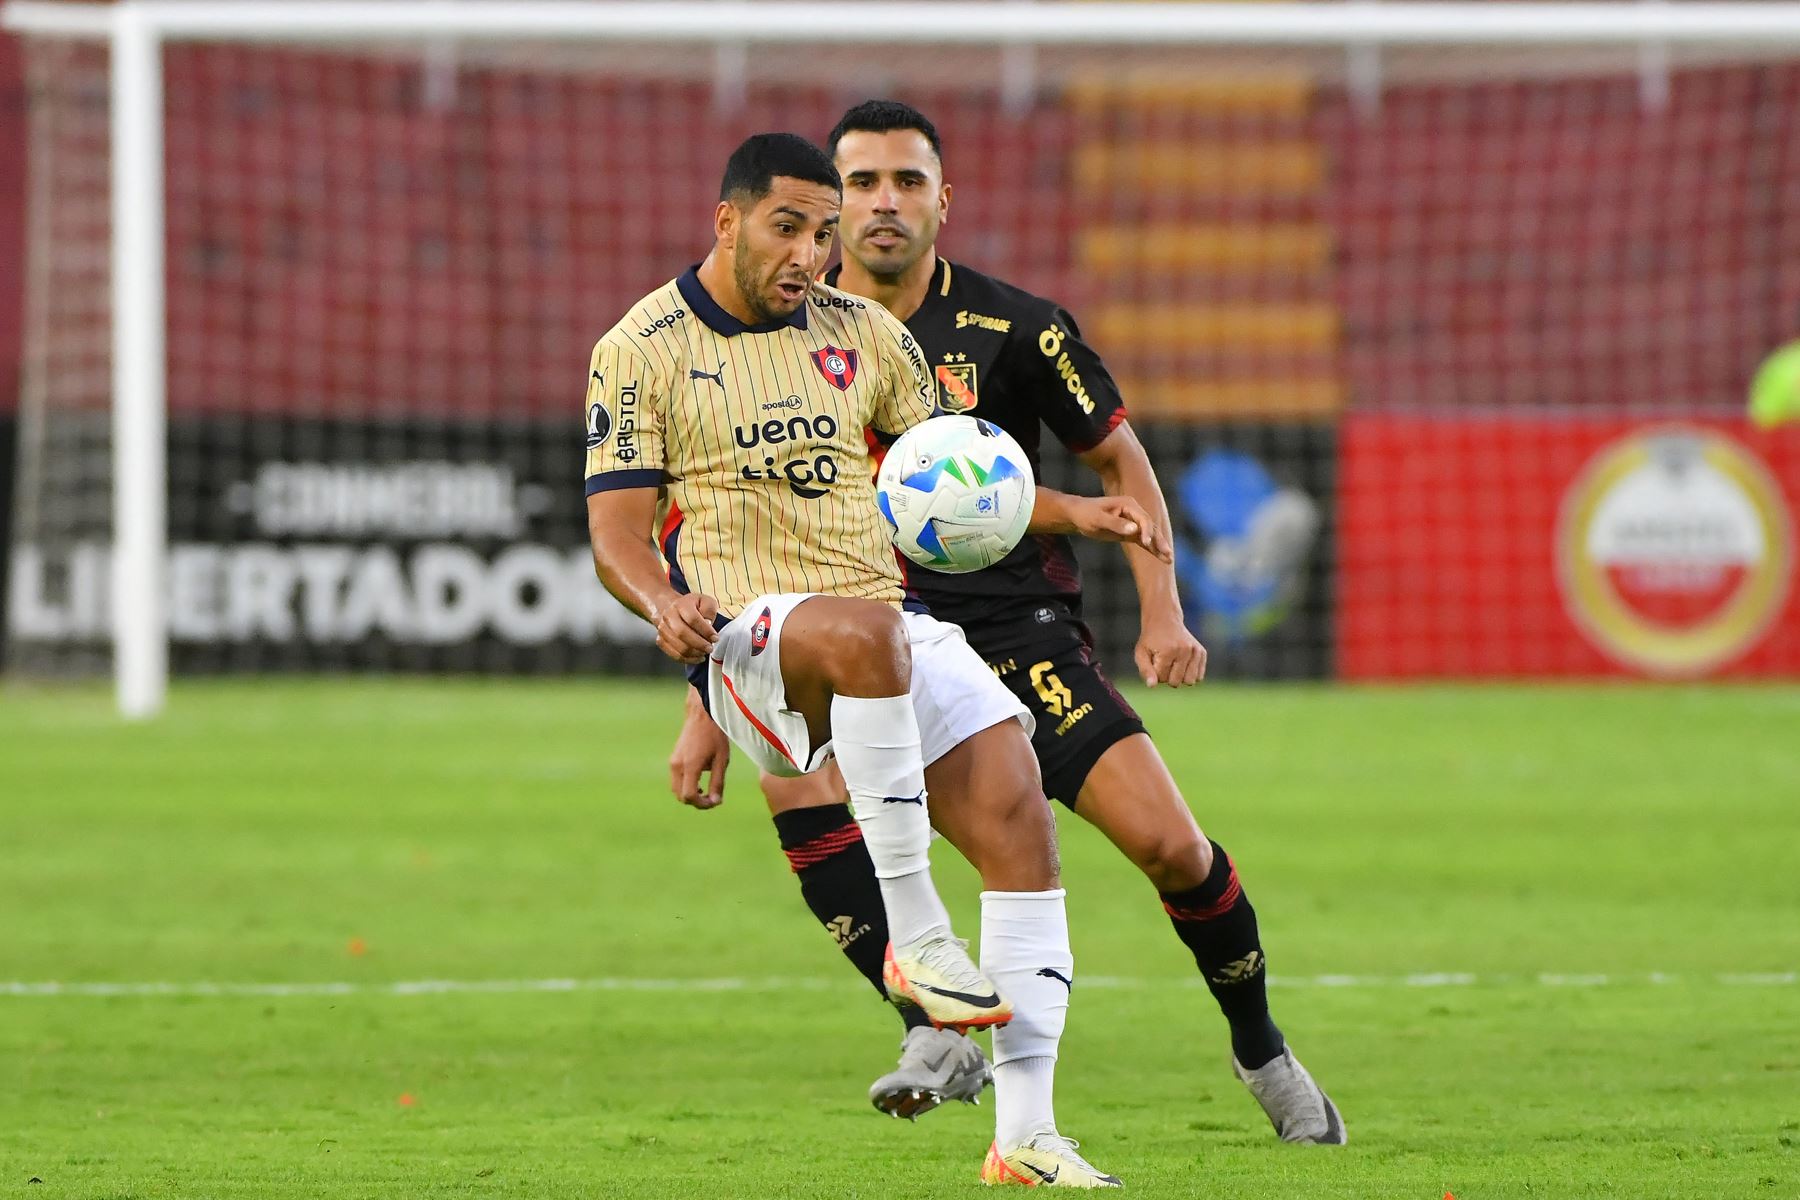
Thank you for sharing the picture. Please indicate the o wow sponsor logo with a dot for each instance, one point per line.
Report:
(1050, 345)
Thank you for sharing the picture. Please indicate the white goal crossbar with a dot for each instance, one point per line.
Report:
(136, 31)
(998, 22)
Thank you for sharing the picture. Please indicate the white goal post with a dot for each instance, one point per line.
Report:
(137, 31)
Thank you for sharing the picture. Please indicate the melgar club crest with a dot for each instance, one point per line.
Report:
(837, 366)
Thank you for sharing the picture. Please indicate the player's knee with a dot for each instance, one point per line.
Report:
(1023, 823)
(871, 654)
(1175, 861)
(786, 793)
(846, 647)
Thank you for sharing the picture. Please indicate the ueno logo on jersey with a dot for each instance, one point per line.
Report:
(811, 472)
(1674, 551)
(837, 366)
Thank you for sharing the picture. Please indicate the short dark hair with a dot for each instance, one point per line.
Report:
(762, 157)
(884, 116)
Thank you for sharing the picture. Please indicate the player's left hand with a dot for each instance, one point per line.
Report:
(1119, 519)
(1168, 654)
(701, 753)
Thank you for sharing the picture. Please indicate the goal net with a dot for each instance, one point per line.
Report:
(1441, 350)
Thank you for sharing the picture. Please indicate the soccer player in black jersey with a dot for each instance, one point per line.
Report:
(1018, 360)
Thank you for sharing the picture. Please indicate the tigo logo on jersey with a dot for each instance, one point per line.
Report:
(759, 634)
(1674, 551)
(812, 472)
(837, 366)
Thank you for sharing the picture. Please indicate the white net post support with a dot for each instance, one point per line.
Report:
(138, 32)
(140, 460)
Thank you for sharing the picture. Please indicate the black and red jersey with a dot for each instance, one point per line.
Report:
(1017, 360)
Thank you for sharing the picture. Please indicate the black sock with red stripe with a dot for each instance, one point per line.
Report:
(1216, 922)
(825, 848)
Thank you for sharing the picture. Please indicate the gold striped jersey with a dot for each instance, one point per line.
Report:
(757, 433)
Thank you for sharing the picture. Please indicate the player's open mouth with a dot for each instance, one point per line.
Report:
(790, 290)
(886, 239)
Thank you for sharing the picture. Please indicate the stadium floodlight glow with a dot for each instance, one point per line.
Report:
(137, 31)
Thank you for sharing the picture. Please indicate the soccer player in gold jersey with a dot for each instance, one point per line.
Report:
(1019, 361)
(725, 426)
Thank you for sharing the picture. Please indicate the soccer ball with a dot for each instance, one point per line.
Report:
(957, 493)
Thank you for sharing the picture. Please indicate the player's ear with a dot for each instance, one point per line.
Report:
(944, 205)
(726, 219)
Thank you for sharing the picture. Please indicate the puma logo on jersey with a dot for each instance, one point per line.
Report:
(918, 799)
(717, 376)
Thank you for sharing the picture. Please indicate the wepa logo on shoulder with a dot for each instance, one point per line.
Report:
(667, 321)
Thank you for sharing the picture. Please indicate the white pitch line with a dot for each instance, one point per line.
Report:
(442, 987)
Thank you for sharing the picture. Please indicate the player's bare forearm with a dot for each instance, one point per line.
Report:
(1050, 513)
(619, 524)
(1125, 470)
(1102, 518)
(625, 558)
(1167, 653)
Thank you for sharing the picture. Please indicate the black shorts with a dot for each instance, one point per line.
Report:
(1048, 661)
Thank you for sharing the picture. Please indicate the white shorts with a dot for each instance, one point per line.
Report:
(954, 694)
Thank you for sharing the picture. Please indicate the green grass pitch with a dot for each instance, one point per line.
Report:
(1638, 846)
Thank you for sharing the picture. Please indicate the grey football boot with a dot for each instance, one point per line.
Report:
(935, 1065)
(1297, 1107)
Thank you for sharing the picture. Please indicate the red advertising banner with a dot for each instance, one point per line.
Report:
(1529, 546)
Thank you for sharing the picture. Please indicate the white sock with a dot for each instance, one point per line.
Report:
(1024, 1098)
(877, 746)
(1023, 936)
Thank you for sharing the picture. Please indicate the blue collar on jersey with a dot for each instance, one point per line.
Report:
(722, 322)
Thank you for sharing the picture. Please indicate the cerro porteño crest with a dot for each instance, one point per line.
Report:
(837, 366)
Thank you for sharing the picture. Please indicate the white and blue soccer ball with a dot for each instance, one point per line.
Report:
(957, 493)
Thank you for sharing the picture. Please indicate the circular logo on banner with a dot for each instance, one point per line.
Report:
(1674, 551)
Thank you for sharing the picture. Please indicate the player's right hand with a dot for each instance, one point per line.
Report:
(698, 761)
(684, 627)
(1119, 519)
